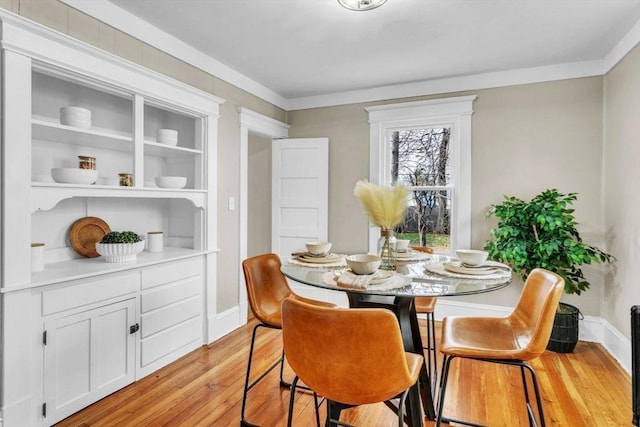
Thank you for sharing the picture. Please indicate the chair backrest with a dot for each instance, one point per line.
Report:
(351, 356)
(533, 315)
(266, 287)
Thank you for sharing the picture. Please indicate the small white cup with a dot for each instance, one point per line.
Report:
(155, 241)
(402, 245)
(37, 257)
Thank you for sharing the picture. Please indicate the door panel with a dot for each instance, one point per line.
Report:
(299, 195)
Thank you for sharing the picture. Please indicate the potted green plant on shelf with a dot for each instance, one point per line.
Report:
(542, 233)
(120, 246)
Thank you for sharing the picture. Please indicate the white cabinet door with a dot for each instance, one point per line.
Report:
(300, 193)
(87, 356)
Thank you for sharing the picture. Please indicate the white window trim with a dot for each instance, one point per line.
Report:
(445, 112)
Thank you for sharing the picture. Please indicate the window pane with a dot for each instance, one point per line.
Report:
(428, 219)
(420, 157)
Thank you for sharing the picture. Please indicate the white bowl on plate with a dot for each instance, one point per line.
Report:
(74, 175)
(472, 256)
(363, 263)
(170, 181)
(120, 252)
(318, 248)
(167, 136)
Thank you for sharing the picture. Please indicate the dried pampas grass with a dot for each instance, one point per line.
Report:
(385, 206)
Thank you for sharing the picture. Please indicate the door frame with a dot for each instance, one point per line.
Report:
(256, 123)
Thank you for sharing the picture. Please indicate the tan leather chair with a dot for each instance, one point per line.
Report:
(350, 357)
(267, 288)
(514, 339)
(427, 306)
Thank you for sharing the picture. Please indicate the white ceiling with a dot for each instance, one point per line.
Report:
(309, 48)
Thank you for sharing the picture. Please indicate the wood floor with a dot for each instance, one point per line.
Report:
(204, 388)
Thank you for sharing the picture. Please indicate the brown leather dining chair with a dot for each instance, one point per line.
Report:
(350, 357)
(267, 288)
(512, 340)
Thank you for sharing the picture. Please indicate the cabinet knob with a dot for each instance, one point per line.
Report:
(134, 328)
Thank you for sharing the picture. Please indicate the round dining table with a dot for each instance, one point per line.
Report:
(423, 275)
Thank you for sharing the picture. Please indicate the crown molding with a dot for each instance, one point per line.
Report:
(124, 21)
(624, 46)
(116, 17)
(453, 84)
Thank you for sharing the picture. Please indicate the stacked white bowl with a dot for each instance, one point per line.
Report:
(171, 181)
(167, 136)
(74, 175)
(75, 116)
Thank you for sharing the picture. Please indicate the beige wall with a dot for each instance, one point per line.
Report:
(525, 139)
(622, 188)
(65, 19)
(259, 195)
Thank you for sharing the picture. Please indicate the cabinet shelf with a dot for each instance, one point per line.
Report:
(45, 196)
(81, 268)
(46, 128)
(157, 149)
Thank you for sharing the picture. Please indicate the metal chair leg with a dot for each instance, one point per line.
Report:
(248, 386)
(432, 361)
(536, 389)
(446, 362)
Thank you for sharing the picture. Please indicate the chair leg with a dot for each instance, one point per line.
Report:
(446, 363)
(403, 398)
(317, 405)
(536, 389)
(292, 399)
(248, 386)
(432, 361)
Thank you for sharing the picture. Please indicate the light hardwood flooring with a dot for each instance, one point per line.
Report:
(204, 388)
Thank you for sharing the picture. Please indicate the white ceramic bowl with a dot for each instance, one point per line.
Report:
(171, 181)
(75, 116)
(120, 252)
(74, 175)
(318, 248)
(82, 113)
(472, 256)
(167, 136)
(363, 263)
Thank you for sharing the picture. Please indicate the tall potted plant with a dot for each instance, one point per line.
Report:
(542, 233)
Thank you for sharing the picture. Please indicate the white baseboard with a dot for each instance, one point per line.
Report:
(592, 328)
(224, 322)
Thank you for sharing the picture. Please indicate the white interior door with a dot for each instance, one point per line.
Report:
(299, 193)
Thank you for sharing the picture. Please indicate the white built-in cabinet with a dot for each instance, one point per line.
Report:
(82, 328)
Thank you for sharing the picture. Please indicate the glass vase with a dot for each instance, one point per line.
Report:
(386, 249)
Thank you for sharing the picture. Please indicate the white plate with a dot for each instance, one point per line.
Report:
(457, 267)
(406, 254)
(380, 276)
(318, 260)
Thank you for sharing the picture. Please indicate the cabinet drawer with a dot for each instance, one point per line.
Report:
(84, 292)
(166, 342)
(170, 315)
(171, 272)
(170, 293)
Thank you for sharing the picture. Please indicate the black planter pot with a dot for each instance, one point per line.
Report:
(564, 335)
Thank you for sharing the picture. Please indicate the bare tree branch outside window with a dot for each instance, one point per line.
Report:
(420, 159)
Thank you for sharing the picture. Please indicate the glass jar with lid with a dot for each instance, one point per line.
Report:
(86, 162)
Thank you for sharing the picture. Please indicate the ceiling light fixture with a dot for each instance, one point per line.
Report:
(360, 5)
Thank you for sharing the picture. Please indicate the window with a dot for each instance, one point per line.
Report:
(426, 146)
